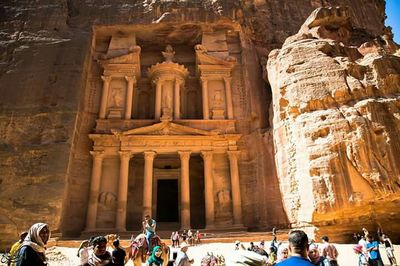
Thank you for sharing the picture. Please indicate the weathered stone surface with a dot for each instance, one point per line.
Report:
(48, 103)
(336, 125)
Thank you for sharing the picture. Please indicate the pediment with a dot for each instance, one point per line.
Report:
(130, 58)
(203, 58)
(166, 128)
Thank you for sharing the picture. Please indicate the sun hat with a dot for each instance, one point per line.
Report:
(185, 245)
(358, 248)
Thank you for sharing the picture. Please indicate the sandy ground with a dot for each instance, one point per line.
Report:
(63, 256)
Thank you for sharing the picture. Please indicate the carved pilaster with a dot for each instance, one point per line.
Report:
(129, 96)
(235, 184)
(209, 188)
(204, 87)
(228, 92)
(104, 96)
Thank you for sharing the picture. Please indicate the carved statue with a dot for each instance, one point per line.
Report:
(217, 100)
(117, 99)
(169, 53)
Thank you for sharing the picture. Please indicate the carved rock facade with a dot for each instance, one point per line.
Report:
(336, 125)
(51, 88)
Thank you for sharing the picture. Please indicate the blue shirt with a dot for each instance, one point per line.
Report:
(373, 254)
(295, 261)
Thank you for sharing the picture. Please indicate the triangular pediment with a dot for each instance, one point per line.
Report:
(131, 58)
(166, 128)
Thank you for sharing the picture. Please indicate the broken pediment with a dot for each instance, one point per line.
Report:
(166, 128)
(204, 58)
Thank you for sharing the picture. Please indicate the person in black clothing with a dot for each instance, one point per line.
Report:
(33, 248)
(118, 254)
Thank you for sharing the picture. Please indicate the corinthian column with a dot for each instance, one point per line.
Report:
(208, 188)
(91, 216)
(157, 111)
(228, 91)
(204, 87)
(120, 219)
(185, 189)
(148, 182)
(129, 96)
(235, 184)
(104, 96)
(177, 99)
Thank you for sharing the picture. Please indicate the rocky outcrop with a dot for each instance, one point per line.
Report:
(43, 74)
(336, 125)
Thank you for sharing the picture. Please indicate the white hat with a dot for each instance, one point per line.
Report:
(184, 245)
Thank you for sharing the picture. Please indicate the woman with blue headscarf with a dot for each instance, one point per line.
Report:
(155, 259)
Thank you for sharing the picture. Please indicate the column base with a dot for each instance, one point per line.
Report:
(120, 230)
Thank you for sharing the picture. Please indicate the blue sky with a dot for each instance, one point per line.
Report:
(393, 17)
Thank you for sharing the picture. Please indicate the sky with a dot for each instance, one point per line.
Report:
(393, 18)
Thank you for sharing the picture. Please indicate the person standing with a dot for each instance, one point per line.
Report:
(389, 249)
(298, 248)
(149, 226)
(316, 258)
(362, 258)
(83, 252)
(329, 251)
(32, 250)
(100, 255)
(173, 238)
(14, 249)
(155, 259)
(182, 259)
(375, 258)
(118, 254)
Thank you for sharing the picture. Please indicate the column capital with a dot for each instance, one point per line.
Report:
(233, 154)
(179, 80)
(228, 79)
(149, 155)
(125, 154)
(106, 78)
(130, 79)
(184, 155)
(97, 154)
(206, 154)
(204, 79)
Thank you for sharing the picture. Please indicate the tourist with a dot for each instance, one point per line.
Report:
(155, 258)
(172, 238)
(329, 251)
(298, 248)
(316, 258)
(262, 244)
(237, 243)
(272, 257)
(83, 252)
(184, 235)
(14, 249)
(283, 253)
(363, 243)
(118, 254)
(100, 256)
(182, 259)
(374, 256)
(176, 239)
(362, 258)
(31, 252)
(149, 226)
(252, 247)
(190, 236)
(389, 249)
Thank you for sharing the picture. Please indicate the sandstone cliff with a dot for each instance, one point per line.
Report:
(336, 125)
(44, 121)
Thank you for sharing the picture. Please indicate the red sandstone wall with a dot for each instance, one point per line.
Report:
(43, 121)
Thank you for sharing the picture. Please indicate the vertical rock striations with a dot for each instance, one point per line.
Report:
(336, 125)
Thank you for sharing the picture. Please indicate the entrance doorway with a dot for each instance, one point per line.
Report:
(167, 201)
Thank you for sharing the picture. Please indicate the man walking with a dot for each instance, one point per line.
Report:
(329, 251)
(298, 248)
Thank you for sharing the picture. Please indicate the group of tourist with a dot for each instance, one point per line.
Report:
(192, 238)
(30, 249)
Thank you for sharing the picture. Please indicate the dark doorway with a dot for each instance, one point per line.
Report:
(167, 200)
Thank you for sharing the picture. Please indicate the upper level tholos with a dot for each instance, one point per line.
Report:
(152, 73)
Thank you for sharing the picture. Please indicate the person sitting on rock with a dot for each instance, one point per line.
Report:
(32, 251)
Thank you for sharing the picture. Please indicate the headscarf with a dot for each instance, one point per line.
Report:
(34, 240)
(316, 257)
(154, 259)
(280, 252)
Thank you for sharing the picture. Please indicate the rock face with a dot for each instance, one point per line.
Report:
(336, 125)
(44, 83)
